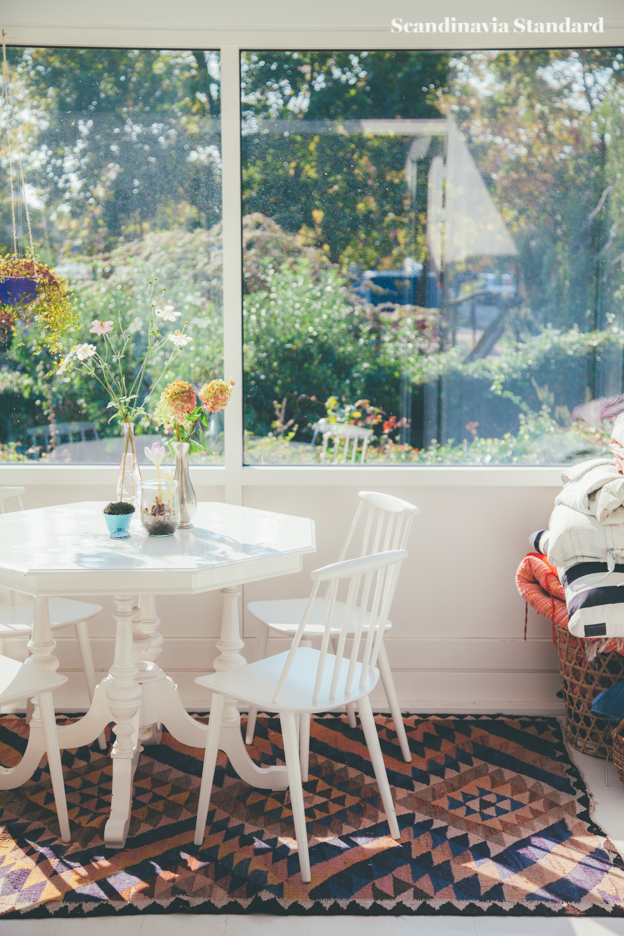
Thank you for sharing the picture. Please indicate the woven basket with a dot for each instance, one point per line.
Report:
(581, 682)
(618, 750)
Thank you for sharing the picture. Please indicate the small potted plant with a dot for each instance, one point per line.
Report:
(118, 515)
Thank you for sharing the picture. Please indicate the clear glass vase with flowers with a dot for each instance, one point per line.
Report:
(123, 374)
(179, 413)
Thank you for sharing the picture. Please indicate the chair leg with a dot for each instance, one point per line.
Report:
(304, 745)
(261, 648)
(210, 761)
(30, 708)
(84, 646)
(350, 705)
(48, 724)
(291, 753)
(374, 749)
(393, 701)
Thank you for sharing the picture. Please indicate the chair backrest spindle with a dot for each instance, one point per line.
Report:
(385, 520)
(370, 582)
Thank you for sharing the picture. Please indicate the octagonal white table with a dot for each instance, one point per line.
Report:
(66, 550)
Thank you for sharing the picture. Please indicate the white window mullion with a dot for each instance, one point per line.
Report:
(232, 269)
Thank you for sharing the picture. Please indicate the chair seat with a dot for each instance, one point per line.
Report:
(256, 683)
(18, 618)
(285, 614)
(19, 681)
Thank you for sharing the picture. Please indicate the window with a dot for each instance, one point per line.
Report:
(432, 247)
(433, 255)
(121, 153)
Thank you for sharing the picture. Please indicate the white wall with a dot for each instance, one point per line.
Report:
(457, 642)
(363, 21)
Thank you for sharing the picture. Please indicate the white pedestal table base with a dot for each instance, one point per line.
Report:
(142, 698)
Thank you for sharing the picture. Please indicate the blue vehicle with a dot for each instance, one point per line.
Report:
(400, 287)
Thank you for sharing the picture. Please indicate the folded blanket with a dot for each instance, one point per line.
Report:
(578, 537)
(598, 491)
(595, 599)
(574, 472)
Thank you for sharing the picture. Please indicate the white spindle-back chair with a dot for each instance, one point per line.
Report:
(346, 441)
(382, 522)
(16, 617)
(305, 680)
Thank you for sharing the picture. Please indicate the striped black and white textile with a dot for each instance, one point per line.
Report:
(594, 592)
(595, 599)
(575, 537)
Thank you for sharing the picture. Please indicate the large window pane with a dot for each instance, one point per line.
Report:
(121, 154)
(432, 254)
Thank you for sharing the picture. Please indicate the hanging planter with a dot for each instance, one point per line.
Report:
(17, 290)
(34, 294)
(30, 292)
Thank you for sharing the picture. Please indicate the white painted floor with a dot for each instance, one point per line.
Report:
(608, 812)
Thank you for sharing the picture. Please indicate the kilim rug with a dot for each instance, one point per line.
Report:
(494, 819)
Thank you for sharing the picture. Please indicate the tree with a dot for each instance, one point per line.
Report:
(343, 191)
(537, 125)
(124, 141)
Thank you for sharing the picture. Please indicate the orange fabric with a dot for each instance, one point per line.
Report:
(539, 585)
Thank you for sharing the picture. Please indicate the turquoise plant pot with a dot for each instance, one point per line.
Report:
(118, 525)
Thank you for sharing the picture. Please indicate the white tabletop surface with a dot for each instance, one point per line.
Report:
(66, 549)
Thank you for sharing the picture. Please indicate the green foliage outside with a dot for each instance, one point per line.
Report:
(122, 150)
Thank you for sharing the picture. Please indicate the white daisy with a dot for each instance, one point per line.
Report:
(168, 314)
(179, 339)
(84, 351)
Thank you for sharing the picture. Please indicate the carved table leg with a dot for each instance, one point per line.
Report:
(150, 622)
(230, 645)
(124, 700)
(41, 646)
(231, 740)
(148, 647)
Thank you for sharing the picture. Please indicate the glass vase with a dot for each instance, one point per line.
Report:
(188, 498)
(160, 507)
(129, 477)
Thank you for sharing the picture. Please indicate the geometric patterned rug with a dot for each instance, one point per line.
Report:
(494, 819)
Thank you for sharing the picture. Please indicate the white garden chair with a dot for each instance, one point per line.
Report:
(16, 618)
(19, 681)
(385, 522)
(346, 439)
(304, 681)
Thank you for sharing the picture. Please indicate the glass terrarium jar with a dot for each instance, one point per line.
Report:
(160, 507)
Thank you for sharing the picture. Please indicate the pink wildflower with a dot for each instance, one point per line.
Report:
(101, 328)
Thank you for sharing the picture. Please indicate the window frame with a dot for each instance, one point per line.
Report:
(230, 42)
